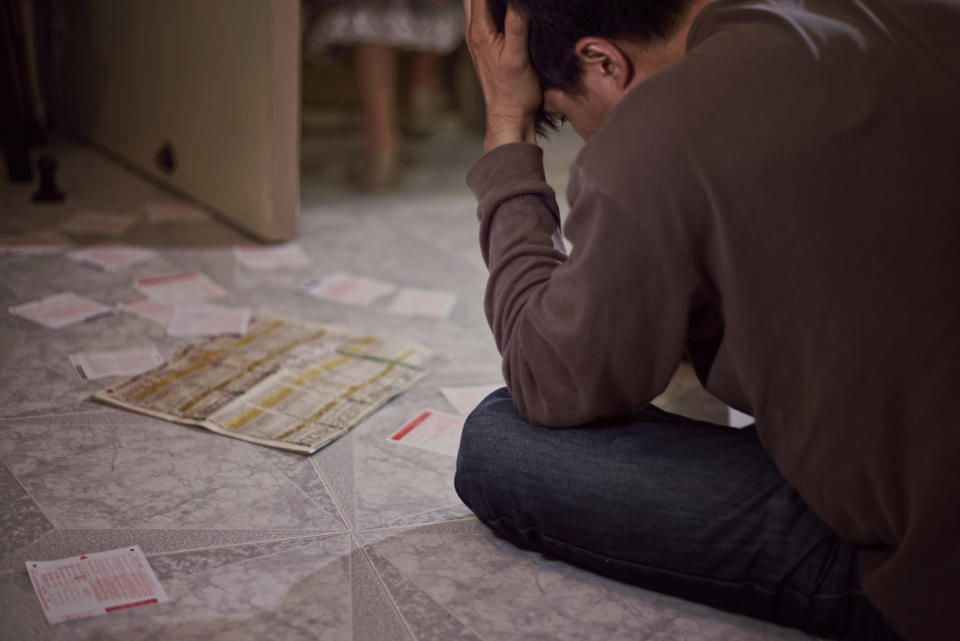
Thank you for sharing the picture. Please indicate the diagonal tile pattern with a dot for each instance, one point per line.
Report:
(366, 540)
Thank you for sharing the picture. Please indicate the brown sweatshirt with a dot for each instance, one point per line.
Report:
(784, 204)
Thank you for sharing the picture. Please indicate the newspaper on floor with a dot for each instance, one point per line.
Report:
(288, 384)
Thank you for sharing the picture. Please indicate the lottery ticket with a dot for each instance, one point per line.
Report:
(95, 223)
(346, 288)
(61, 310)
(208, 320)
(430, 303)
(110, 258)
(465, 399)
(288, 256)
(181, 288)
(94, 584)
(123, 362)
(433, 431)
(149, 308)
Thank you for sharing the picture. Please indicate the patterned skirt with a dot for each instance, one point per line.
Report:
(420, 25)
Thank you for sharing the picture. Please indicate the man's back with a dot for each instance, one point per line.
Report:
(799, 174)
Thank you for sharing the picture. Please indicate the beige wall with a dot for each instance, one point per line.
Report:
(218, 79)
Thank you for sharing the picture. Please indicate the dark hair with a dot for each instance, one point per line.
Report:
(557, 25)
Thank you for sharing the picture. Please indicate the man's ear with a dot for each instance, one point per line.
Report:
(604, 61)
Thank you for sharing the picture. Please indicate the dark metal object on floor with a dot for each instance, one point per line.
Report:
(48, 192)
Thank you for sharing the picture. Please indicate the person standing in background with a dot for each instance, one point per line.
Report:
(378, 30)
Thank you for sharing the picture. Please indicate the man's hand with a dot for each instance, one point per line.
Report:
(510, 86)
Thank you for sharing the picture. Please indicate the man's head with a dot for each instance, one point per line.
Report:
(585, 52)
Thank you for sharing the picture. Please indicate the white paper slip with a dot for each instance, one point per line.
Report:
(110, 258)
(288, 256)
(346, 288)
(98, 224)
(175, 213)
(61, 310)
(465, 399)
(122, 362)
(181, 288)
(432, 431)
(94, 584)
(33, 242)
(149, 308)
(208, 320)
(738, 419)
(432, 303)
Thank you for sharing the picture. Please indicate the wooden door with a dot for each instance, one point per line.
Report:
(201, 94)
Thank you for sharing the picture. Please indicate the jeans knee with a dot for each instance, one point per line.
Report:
(477, 460)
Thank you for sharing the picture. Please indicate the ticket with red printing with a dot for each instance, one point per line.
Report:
(433, 431)
(347, 288)
(94, 584)
(180, 288)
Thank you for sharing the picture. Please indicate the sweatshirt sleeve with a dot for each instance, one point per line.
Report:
(591, 336)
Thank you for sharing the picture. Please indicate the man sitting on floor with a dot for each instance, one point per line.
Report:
(772, 187)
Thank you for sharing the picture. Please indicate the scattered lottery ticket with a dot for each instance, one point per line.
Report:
(736, 418)
(33, 242)
(61, 310)
(288, 256)
(175, 213)
(432, 303)
(208, 320)
(181, 288)
(346, 288)
(98, 224)
(465, 399)
(433, 431)
(110, 258)
(94, 584)
(124, 362)
(149, 308)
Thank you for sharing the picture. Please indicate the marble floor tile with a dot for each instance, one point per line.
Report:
(364, 540)
(297, 593)
(61, 544)
(375, 614)
(117, 469)
(484, 586)
(21, 520)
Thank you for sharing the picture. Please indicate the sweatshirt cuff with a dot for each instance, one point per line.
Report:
(509, 171)
(510, 163)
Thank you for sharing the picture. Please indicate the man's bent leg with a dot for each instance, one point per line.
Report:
(669, 504)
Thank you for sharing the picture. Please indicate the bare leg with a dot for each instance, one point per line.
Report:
(426, 94)
(376, 71)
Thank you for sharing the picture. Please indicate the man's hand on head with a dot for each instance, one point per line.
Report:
(511, 89)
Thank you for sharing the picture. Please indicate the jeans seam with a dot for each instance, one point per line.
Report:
(765, 589)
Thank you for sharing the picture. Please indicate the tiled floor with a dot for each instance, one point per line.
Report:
(365, 540)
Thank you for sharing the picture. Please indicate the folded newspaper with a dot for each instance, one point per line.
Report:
(288, 384)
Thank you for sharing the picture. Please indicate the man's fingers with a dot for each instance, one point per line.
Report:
(516, 27)
(479, 20)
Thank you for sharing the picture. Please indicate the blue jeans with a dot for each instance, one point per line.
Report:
(669, 504)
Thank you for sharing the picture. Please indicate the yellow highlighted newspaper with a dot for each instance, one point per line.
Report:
(289, 384)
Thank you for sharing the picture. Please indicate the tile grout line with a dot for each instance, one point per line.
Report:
(437, 603)
(411, 526)
(10, 419)
(383, 586)
(350, 525)
(388, 525)
(23, 547)
(53, 524)
(318, 535)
